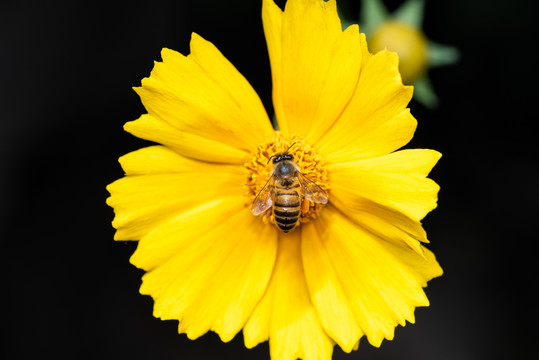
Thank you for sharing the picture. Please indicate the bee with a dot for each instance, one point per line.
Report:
(287, 190)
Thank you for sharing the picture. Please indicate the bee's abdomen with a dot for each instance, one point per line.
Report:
(286, 209)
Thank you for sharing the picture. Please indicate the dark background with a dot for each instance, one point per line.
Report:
(67, 69)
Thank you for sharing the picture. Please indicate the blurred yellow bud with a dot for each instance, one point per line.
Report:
(406, 40)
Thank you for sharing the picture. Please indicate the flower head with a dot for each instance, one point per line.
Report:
(350, 268)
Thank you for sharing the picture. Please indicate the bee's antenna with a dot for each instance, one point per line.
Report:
(290, 147)
(270, 159)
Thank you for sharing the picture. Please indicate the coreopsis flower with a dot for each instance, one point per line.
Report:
(401, 31)
(352, 266)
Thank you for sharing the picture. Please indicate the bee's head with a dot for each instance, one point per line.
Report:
(282, 156)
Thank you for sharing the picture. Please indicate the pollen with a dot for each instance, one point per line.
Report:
(310, 163)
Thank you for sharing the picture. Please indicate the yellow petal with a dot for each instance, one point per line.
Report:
(416, 162)
(315, 65)
(252, 118)
(386, 223)
(326, 291)
(162, 160)
(185, 143)
(144, 201)
(375, 121)
(396, 180)
(365, 54)
(163, 242)
(215, 277)
(382, 282)
(204, 95)
(272, 18)
(285, 314)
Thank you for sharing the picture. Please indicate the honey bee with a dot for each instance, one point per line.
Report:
(287, 190)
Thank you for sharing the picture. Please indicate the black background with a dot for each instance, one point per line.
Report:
(67, 69)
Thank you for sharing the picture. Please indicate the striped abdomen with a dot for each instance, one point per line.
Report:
(287, 206)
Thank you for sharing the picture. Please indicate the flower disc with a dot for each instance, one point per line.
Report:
(310, 163)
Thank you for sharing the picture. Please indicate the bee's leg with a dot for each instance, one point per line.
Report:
(305, 205)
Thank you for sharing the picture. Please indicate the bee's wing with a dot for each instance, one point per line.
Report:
(264, 199)
(312, 191)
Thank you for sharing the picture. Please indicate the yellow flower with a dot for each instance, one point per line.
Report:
(353, 267)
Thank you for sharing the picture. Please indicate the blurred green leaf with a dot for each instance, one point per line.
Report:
(424, 93)
(373, 12)
(274, 123)
(411, 12)
(441, 55)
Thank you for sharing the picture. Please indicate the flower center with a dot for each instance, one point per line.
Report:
(310, 164)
